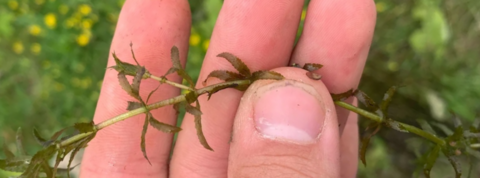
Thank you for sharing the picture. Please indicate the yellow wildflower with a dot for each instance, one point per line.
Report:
(380, 6)
(13, 4)
(85, 9)
(63, 9)
(87, 24)
(39, 2)
(83, 39)
(194, 39)
(34, 30)
(59, 86)
(304, 14)
(50, 20)
(36, 48)
(17, 47)
(205, 45)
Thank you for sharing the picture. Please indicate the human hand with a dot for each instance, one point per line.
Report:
(266, 142)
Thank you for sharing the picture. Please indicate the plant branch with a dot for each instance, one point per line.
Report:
(164, 80)
(156, 105)
(376, 118)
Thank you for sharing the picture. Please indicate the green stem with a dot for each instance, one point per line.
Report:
(376, 118)
(156, 105)
(164, 80)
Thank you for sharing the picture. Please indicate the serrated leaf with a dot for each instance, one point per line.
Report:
(342, 96)
(137, 80)
(395, 125)
(198, 127)
(430, 161)
(366, 100)
(127, 68)
(224, 86)
(58, 159)
(455, 164)
(153, 91)
(171, 70)
(366, 141)
(122, 79)
(84, 127)
(187, 77)
(40, 139)
(46, 168)
(8, 153)
(387, 98)
(192, 110)
(313, 76)
(312, 66)
(426, 126)
(19, 142)
(133, 54)
(236, 63)
(224, 75)
(444, 128)
(134, 105)
(266, 75)
(56, 135)
(38, 161)
(175, 56)
(163, 126)
(144, 133)
(82, 144)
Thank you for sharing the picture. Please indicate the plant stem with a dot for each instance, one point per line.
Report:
(156, 105)
(164, 80)
(376, 118)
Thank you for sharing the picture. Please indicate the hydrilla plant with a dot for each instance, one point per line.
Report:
(461, 142)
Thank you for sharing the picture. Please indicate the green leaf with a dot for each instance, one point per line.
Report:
(367, 101)
(163, 127)
(395, 125)
(454, 162)
(127, 68)
(40, 139)
(133, 54)
(8, 153)
(387, 98)
(236, 63)
(136, 82)
(175, 56)
(198, 127)
(19, 142)
(366, 141)
(124, 84)
(342, 96)
(266, 75)
(82, 144)
(56, 135)
(83, 127)
(153, 91)
(313, 76)
(144, 133)
(224, 75)
(431, 159)
(58, 159)
(134, 105)
(192, 110)
(38, 161)
(426, 126)
(224, 86)
(312, 66)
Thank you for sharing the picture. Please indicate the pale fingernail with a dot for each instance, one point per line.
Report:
(290, 111)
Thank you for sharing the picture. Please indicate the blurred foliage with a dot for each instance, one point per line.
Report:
(54, 54)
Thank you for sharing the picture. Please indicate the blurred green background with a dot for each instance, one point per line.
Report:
(53, 56)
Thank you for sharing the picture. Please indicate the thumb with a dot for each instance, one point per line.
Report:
(285, 128)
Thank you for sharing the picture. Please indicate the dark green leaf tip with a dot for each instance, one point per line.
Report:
(236, 63)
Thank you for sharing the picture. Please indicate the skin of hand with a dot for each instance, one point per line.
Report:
(287, 128)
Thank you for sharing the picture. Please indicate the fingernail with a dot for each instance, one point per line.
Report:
(290, 111)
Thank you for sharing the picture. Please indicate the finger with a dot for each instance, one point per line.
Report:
(262, 34)
(293, 133)
(153, 27)
(338, 34)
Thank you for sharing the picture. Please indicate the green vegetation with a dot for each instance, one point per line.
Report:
(54, 54)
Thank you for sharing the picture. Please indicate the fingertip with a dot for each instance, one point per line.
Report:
(285, 127)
